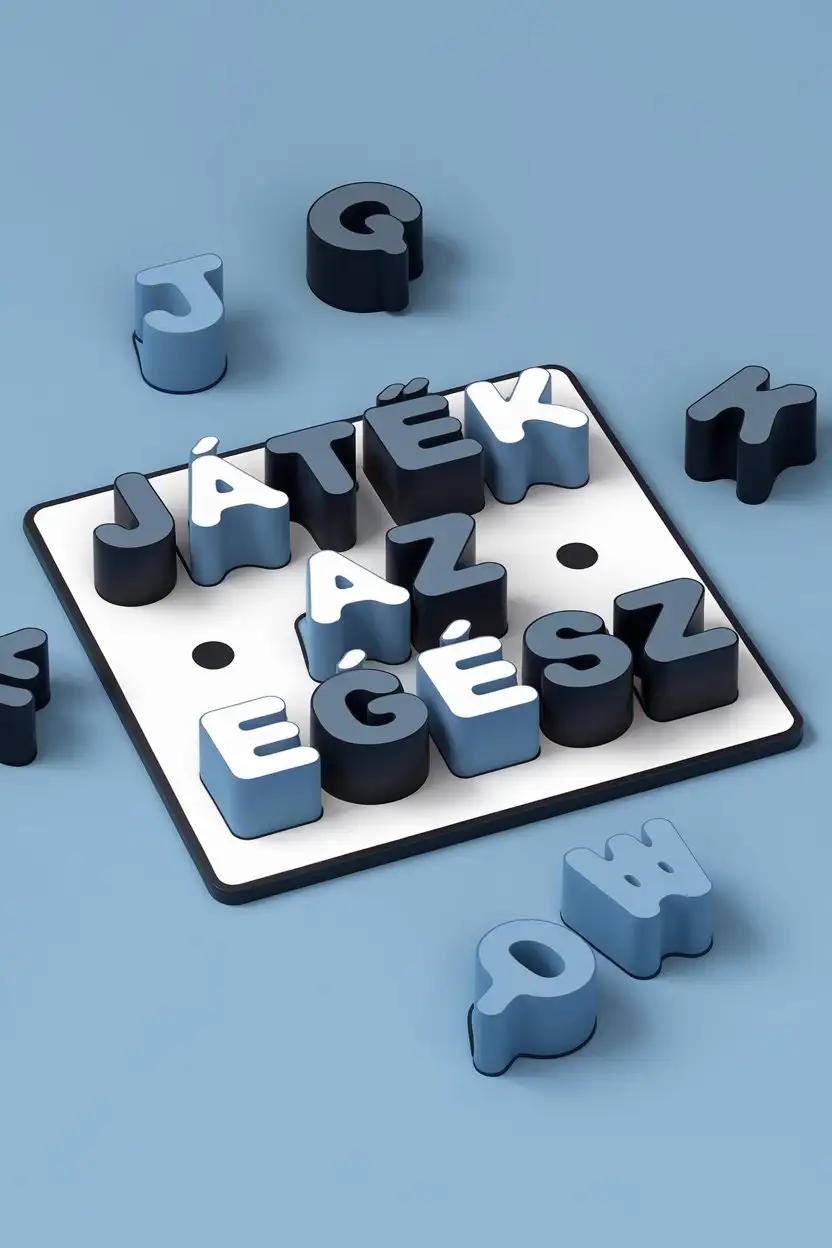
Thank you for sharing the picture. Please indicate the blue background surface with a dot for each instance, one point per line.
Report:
(640, 191)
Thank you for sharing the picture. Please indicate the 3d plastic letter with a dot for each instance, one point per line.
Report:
(363, 247)
(645, 899)
(746, 432)
(536, 994)
(179, 325)
(538, 636)
(25, 688)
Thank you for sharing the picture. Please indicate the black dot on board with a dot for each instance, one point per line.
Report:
(213, 655)
(577, 555)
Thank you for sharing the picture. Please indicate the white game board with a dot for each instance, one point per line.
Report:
(143, 657)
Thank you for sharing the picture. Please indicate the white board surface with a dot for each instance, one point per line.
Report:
(144, 657)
